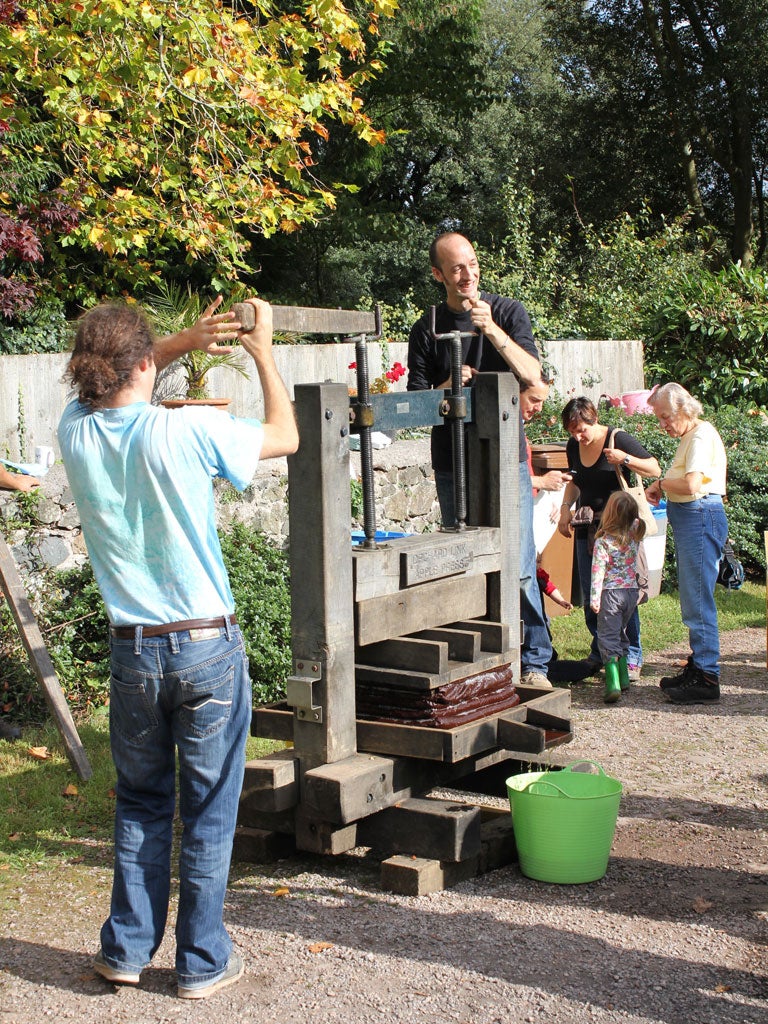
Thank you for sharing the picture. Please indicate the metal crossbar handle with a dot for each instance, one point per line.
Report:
(456, 410)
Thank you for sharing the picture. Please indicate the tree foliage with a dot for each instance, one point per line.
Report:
(667, 95)
(175, 127)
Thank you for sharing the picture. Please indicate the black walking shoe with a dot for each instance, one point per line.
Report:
(670, 682)
(696, 688)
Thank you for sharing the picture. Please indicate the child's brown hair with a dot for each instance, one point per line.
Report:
(620, 518)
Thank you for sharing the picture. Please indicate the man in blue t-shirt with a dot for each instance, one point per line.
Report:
(502, 341)
(142, 478)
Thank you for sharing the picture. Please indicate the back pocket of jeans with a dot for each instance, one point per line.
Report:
(207, 702)
(131, 712)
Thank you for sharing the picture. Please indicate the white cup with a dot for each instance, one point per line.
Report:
(44, 456)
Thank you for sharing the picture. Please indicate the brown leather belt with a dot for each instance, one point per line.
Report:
(128, 632)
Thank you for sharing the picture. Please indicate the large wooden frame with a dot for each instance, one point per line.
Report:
(417, 612)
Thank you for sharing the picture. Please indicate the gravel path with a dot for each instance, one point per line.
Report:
(675, 932)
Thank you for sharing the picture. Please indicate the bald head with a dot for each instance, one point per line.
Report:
(455, 266)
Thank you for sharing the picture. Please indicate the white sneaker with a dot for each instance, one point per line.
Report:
(537, 679)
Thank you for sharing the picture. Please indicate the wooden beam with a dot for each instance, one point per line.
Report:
(463, 644)
(271, 783)
(422, 654)
(322, 635)
(311, 320)
(424, 607)
(412, 679)
(447, 830)
(514, 735)
(41, 663)
(414, 560)
(494, 636)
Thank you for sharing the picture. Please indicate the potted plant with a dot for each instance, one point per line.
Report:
(172, 309)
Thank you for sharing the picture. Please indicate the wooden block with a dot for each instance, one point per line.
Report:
(424, 654)
(494, 636)
(350, 789)
(270, 821)
(497, 847)
(273, 722)
(412, 680)
(417, 876)
(271, 783)
(260, 846)
(321, 837)
(520, 736)
(411, 876)
(423, 607)
(463, 645)
(310, 320)
(446, 830)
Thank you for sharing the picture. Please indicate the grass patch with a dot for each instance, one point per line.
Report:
(660, 621)
(49, 816)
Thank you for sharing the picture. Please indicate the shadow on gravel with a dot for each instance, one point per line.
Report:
(60, 968)
(589, 971)
(634, 805)
(676, 989)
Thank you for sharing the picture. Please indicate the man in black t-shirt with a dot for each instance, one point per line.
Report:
(502, 341)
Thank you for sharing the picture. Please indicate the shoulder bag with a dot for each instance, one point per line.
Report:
(638, 493)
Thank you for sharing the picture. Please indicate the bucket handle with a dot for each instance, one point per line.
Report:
(544, 782)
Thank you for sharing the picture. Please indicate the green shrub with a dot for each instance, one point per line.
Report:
(74, 624)
(259, 576)
(707, 330)
(43, 329)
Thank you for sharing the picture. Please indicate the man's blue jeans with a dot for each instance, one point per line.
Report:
(700, 529)
(190, 692)
(536, 649)
(584, 566)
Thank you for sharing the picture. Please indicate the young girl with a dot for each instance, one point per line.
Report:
(615, 593)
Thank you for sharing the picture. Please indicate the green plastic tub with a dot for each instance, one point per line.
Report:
(564, 822)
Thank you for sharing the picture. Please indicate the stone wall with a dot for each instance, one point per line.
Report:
(404, 493)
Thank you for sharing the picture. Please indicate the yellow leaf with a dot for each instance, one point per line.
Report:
(70, 790)
(40, 753)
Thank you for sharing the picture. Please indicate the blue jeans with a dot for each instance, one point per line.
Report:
(700, 529)
(584, 567)
(190, 693)
(536, 648)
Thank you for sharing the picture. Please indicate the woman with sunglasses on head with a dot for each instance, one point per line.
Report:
(595, 454)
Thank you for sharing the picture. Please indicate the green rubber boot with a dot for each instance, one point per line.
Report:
(623, 673)
(612, 684)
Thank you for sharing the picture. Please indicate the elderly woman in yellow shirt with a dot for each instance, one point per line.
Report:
(694, 486)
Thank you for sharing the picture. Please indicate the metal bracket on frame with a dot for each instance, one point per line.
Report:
(299, 691)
